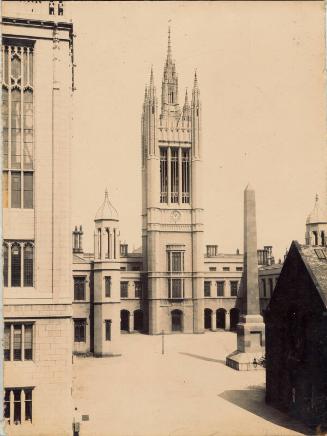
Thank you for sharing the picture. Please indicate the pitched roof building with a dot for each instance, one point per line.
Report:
(296, 336)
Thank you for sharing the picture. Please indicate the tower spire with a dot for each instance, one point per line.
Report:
(169, 57)
(169, 91)
(195, 80)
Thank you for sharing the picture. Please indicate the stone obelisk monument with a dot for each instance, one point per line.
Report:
(251, 328)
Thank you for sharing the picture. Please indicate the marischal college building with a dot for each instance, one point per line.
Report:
(57, 304)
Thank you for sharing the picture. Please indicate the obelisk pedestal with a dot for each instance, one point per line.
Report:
(251, 328)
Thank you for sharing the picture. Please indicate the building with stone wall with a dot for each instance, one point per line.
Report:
(37, 87)
(171, 284)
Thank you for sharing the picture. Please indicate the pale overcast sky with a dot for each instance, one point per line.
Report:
(261, 75)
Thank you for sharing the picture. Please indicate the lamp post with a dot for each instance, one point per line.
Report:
(162, 342)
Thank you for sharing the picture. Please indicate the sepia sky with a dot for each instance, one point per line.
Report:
(260, 68)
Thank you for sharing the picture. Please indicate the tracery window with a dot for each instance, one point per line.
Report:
(186, 176)
(17, 117)
(175, 175)
(163, 175)
(18, 263)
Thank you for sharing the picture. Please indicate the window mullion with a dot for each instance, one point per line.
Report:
(12, 405)
(180, 175)
(22, 406)
(22, 249)
(23, 341)
(28, 65)
(11, 339)
(9, 265)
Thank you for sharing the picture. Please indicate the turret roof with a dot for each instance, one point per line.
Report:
(106, 211)
(318, 213)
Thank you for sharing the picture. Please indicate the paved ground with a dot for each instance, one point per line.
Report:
(186, 391)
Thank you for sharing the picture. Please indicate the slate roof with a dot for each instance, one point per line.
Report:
(316, 267)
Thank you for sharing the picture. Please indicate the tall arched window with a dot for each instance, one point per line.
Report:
(99, 243)
(5, 265)
(15, 265)
(107, 255)
(28, 264)
(323, 238)
(17, 86)
(315, 238)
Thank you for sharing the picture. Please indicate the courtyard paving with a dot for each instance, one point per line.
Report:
(186, 391)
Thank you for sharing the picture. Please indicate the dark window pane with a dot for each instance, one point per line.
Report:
(7, 404)
(220, 289)
(79, 288)
(5, 264)
(15, 265)
(28, 265)
(28, 190)
(107, 285)
(80, 330)
(17, 342)
(176, 288)
(28, 410)
(123, 289)
(207, 289)
(15, 189)
(108, 329)
(233, 288)
(28, 342)
(5, 189)
(176, 261)
(7, 342)
(138, 289)
(17, 406)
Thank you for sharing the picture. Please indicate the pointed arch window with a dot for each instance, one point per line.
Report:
(28, 264)
(323, 239)
(5, 264)
(16, 265)
(17, 115)
(99, 243)
(107, 255)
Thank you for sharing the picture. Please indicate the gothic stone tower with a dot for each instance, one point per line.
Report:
(172, 229)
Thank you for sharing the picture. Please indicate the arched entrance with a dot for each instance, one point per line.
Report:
(176, 320)
(234, 318)
(207, 318)
(221, 319)
(124, 320)
(138, 320)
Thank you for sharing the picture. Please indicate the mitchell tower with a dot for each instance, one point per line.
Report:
(172, 224)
